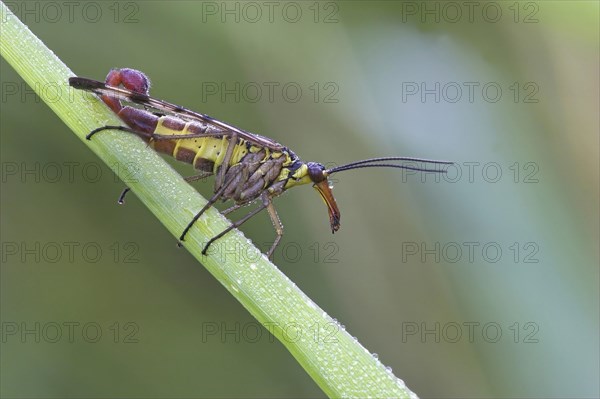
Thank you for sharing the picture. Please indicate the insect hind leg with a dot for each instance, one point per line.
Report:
(138, 121)
(110, 127)
(188, 179)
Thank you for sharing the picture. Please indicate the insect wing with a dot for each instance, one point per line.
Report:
(102, 89)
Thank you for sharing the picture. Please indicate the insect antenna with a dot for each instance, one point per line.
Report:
(378, 163)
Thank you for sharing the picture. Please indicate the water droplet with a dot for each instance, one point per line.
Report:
(375, 355)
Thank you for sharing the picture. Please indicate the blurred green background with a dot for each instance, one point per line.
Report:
(480, 284)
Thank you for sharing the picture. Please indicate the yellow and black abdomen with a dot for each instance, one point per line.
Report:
(204, 153)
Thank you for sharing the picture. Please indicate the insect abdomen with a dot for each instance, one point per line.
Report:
(204, 153)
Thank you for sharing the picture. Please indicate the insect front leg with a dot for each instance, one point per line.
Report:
(276, 224)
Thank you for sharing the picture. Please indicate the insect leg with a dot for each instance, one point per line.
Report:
(138, 121)
(210, 203)
(188, 179)
(199, 176)
(226, 159)
(234, 225)
(232, 208)
(121, 200)
(277, 224)
(141, 133)
(108, 127)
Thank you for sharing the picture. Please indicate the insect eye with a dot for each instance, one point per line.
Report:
(315, 172)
